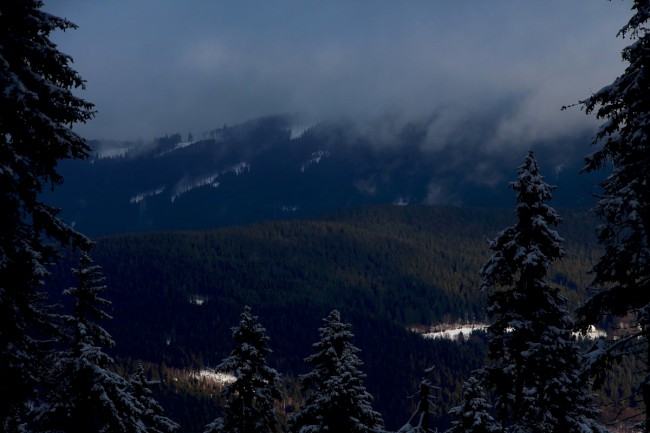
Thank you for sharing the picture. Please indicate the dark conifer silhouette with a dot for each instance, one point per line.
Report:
(474, 414)
(88, 396)
(621, 277)
(152, 415)
(420, 421)
(536, 366)
(37, 110)
(336, 400)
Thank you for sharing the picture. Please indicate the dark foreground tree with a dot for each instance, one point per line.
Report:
(250, 399)
(621, 277)
(152, 415)
(474, 414)
(37, 110)
(536, 366)
(88, 396)
(336, 401)
(420, 421)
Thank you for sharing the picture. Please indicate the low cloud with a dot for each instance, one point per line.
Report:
(489, 77)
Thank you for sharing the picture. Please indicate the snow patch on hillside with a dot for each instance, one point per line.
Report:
(177, 146)
(184, 144)
(456, 332)
(185, 186)
(298, 130)
(139, 197)
(316, 158)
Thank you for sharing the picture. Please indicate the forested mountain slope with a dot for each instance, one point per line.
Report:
(177, 294)
(265, 169)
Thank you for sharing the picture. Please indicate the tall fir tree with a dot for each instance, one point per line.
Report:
(88, 396)
(37, 110)
(536, 368)
(621, 277)
(250, 399)
(336, 400)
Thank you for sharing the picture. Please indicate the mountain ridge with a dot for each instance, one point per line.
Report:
(266, 169)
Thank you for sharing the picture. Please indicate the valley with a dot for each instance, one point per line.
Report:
(386, 268)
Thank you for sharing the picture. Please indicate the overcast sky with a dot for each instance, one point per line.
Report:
(162, 66)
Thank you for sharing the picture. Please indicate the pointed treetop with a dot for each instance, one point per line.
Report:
(335, 340)
(530, 185)
(524, 252)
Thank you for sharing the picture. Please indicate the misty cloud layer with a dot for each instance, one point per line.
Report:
(491, 72)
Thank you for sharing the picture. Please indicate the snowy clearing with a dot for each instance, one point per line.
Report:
(211, 376)
(454, 331)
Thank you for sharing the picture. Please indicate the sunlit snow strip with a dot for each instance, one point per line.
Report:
(454, 332)
(184, 144)
(139, 197)
(212, 376)
(185, 186)
(449, 332)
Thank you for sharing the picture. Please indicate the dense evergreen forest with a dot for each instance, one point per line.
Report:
(386, 268)
(412, 265)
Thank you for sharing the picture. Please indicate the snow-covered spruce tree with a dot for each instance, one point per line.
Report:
(152, 413)
(88, 396)
(420, 421)
(250, 399)
(535, 368)
(37, 109)
(621, 277)
(474, 415)
(336, 399)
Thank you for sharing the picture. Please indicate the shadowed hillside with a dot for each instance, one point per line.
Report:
(177, 294)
